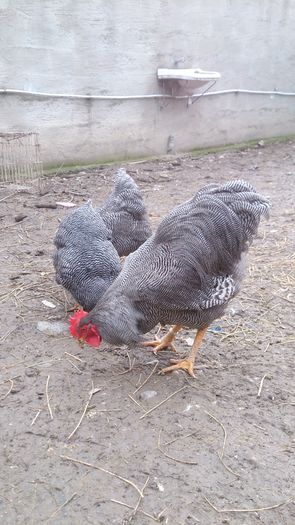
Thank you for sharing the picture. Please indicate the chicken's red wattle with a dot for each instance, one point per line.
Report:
(88, 333)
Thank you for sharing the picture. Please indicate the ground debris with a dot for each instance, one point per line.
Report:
(239, 411)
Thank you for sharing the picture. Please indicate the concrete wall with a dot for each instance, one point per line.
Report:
(111, 47)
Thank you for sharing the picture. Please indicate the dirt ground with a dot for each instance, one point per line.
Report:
(221, 449)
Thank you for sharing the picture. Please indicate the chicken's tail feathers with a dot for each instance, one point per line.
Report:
(231, 191)
(125, 189)
(124, 181)
(242, 198)
(125, 197)
(233, 186)
(250, 211)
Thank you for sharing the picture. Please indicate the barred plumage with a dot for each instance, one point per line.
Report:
(85, 261)
(125, 215)
(188, 270)
(88, 241)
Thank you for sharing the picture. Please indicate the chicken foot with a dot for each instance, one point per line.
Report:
(76, 308)
(166, 341)
(187, 364)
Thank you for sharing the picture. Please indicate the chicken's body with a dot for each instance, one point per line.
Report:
(85, 261)
(125, 215)
(188, 270)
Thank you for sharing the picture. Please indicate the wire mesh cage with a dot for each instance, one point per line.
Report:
(20, 157)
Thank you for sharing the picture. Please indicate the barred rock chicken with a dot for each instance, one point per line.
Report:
(85, 260)
(89, 242)
(125, 215)
(184, 274)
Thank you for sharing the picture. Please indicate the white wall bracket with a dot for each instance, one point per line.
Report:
(177, 82)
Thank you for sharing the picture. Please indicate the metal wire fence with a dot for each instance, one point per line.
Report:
(20, 157)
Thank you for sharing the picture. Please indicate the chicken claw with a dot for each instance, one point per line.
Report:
(182, 364)
(160, 344)
(76, 308)
(187, 364)
(166, 341)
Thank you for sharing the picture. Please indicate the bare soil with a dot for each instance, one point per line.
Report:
(220, 447)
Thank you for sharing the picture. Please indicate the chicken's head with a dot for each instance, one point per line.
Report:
(87, 333)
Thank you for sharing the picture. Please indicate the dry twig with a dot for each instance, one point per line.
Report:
(285, 299)
(131, 366)
(221, 454)
(74, 357)
(157, 520)
(146, 380)
(36, 417)
(259, 509)
(47, 398)
(8, 196)
(136, 402)
(97, 467)
(17, 363)
(9, 390)
(75, 366)
(261, 385)
(135, 510)
(9, 379)
(61, 507)
(162, 402)
(139, 379)
(39, 412)
(108, 411)
(172, 457)
(181, 437)
(4, 337)
(224, 432)
(91, 393)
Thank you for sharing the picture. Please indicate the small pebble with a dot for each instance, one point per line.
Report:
(30, 372)
(237, 312)
(147, 394)
(253, 461)
(20, 217)
(52, 328)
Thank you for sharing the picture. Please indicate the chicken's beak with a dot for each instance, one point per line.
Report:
(81, 342)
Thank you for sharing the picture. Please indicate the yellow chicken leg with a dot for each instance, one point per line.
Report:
(166, 341)
(187, 364)
(76, 308)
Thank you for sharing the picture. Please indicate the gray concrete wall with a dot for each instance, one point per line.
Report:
(101, 47)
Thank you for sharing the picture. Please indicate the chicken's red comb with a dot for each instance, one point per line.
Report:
(87, 333)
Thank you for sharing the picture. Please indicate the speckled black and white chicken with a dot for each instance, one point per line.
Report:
(85, 260)
(89, 241)
(124, 213)
(185, 273)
